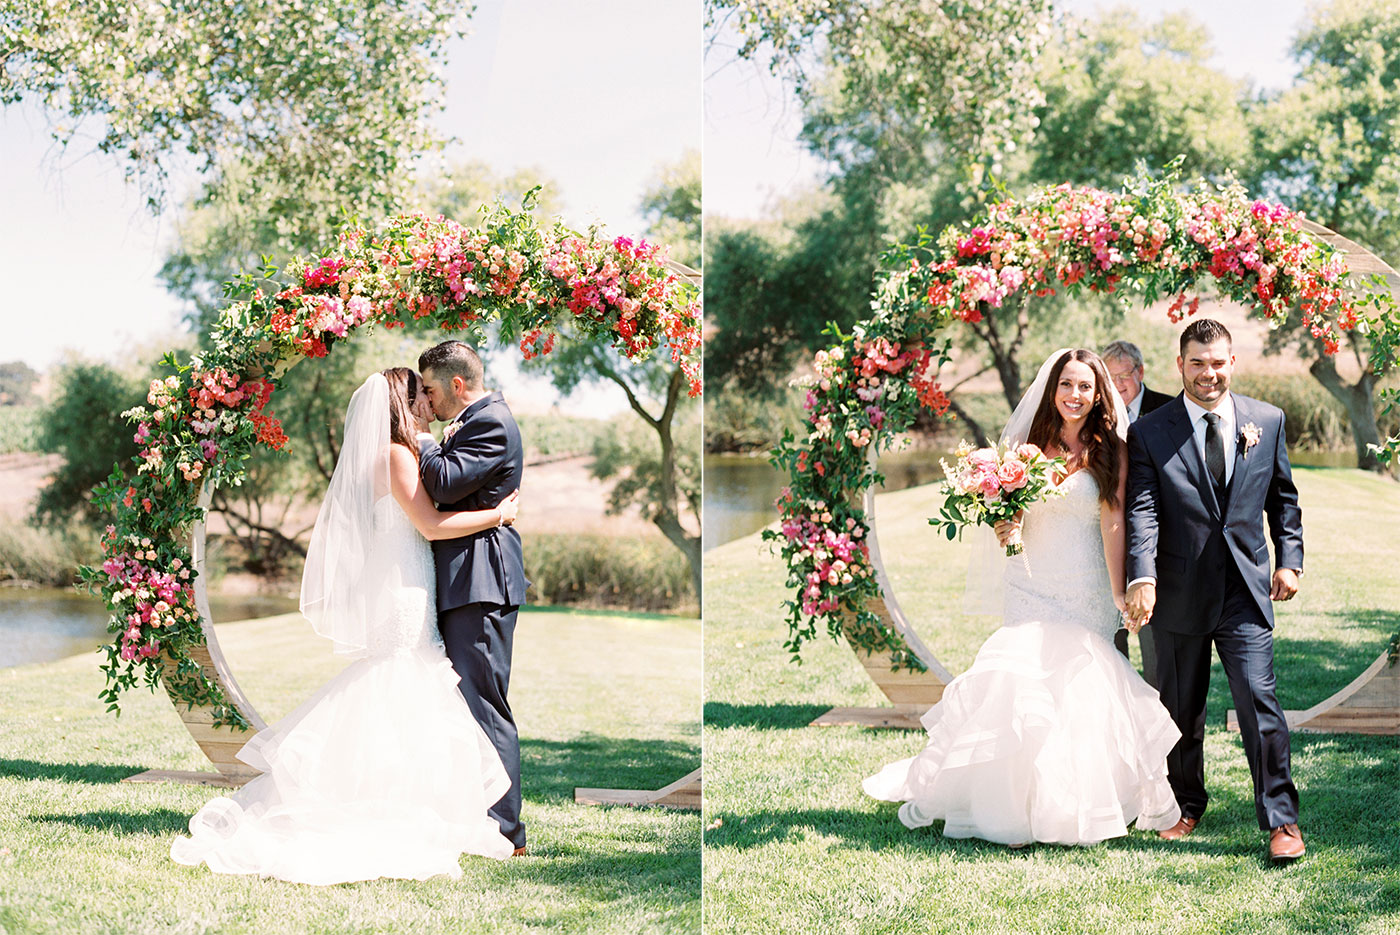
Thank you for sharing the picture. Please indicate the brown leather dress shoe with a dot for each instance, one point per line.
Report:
(1285, 844)
(1179, 830)
(519, 851)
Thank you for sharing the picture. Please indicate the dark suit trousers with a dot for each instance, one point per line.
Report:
(479, 638)
(1246, 648)
(1148, 644)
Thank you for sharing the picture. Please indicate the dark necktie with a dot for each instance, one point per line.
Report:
(1215, 449)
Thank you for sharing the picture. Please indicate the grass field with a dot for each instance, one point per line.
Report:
(793, 845)
(602, 701)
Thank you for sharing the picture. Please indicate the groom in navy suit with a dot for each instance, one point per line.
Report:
(480, 578)
(1203, 472)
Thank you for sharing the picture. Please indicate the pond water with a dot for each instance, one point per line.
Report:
(44, 624)
(740, 489)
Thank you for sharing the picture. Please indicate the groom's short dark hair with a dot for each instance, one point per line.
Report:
(454, 359)
(1204, 331)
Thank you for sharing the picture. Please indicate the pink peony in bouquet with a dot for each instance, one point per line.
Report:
(987, 486)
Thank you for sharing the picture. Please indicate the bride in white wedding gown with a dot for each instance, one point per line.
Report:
(1051, 735)
(383, 772)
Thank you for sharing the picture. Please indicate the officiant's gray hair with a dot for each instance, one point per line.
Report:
(454, 359)
(1123, 350)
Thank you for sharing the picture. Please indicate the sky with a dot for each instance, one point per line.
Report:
(753, 159)
(598, 100)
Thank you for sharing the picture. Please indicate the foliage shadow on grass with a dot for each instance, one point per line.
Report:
(92, 773)
(161, 822)
(551, 769)
(721, 714)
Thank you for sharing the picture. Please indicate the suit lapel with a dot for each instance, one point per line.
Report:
(1183, 440)
(1242, 463)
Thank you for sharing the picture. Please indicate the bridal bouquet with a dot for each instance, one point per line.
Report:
(988, 485)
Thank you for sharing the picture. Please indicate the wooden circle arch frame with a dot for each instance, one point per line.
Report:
(910, 675)
(209, 416)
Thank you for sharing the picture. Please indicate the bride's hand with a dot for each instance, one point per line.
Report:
(1007, 529)
(1120, 600)
(509, 508)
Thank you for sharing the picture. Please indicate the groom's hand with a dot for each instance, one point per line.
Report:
(1285, 584)
(1142, 597)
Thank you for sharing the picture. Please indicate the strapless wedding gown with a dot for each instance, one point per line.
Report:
(1051, 735)
(383, 772)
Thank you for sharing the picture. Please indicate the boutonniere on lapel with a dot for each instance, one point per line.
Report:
(452, 428)
(1249, 437)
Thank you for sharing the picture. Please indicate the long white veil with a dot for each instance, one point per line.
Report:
(337, 593)
(987, 565)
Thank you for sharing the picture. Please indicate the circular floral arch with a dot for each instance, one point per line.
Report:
(1154, 240)
(201, 424)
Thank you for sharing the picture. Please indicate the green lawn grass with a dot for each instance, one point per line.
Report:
(602, 701)
(793, 844)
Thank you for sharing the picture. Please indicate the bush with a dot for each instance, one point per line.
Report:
(19, 429)
(740, 421)
(556, 436)
(1315, 421)
(83, 422)
(591, 570)
(48, 555)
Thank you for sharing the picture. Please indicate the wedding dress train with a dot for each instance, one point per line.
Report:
(383, 772)
(1050, 735)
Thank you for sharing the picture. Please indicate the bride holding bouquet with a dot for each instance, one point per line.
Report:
(1051, 735)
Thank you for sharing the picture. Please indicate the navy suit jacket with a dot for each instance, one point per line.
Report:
(1179, 531)
(475, 469)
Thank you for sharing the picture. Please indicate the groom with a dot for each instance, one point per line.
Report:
(480, 578)
(1203, 472)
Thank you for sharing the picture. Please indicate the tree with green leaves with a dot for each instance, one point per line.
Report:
(1326, 146)
(17, 381)
(284, 103)
(1111, 94)
(83, 423)
(660, 477)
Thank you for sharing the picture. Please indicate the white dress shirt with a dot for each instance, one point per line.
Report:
(1226, 410)
(1135, 407)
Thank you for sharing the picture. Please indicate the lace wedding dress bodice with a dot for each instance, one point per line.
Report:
(1062, 574)
(406, 607)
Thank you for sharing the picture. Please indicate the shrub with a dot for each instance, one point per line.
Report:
(1315, 421)
(627, 572)
(19, 429)
(48, 555)
(557, 436)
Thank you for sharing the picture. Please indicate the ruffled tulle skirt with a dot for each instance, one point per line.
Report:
(1049, 736)
(383, 772)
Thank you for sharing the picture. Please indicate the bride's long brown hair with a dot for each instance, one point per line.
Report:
(405, 386)
(1098, 434)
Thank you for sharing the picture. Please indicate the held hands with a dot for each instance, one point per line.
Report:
(1008, 529)
(1285, 584)
(509, 508)
(1141, 599)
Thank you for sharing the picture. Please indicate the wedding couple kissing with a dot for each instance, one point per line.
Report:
(410, 756)
(1051, 735)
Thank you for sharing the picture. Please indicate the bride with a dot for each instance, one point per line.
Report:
(383, 772)
(1051, 735)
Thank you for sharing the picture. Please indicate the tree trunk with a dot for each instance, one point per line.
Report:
(666, 518)
(1359, 401)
